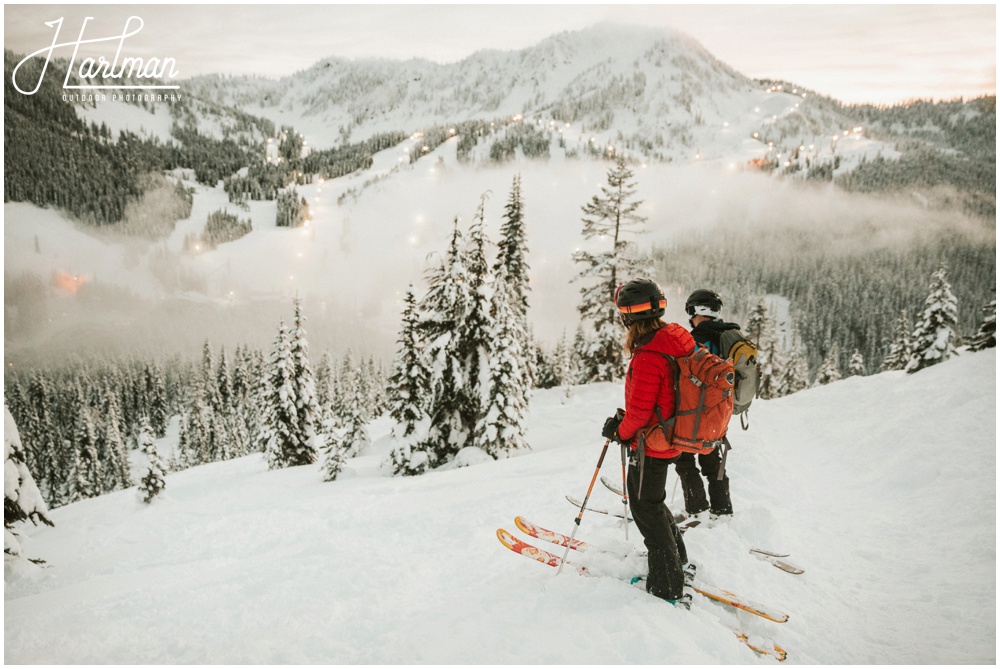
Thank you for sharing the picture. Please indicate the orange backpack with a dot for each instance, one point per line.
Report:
(703, 405)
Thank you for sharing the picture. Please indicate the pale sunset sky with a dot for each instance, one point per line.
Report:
(853, 52)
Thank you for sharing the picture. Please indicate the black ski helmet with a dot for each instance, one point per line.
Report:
(640, 299)
(703, 302)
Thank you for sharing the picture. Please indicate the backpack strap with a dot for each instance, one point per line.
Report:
(726, 447)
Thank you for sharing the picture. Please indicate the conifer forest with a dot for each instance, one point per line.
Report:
(834, 302)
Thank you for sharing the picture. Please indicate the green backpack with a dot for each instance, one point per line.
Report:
(743, 352)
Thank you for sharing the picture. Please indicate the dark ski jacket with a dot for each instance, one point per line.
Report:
(709, 332)
(649, 382)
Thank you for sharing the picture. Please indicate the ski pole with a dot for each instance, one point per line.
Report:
(583, 506)
(624, 493)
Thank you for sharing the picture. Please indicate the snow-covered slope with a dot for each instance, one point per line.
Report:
(883, 488)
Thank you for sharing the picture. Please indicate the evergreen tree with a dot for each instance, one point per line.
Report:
(759, 323)
(901, 348)
(607, 218)
(512, 254)
(512, 250)
(87, 480)
(473, 342)
(223, 383)
(324, 372)
(410, 380)
(545, 373)
(49, 463)
(307, 411)
(564, 364)
(829, 371)
(112, 450)
(936, 333)
(154, 481)
(22, 501)
(501, 429)
(157, 400)
(795, 376)
(355, 432)
(333, 451)
(282, 446)
(206, 382)
(770, 369)
(856, 366)
(986, 336)
(443, 311)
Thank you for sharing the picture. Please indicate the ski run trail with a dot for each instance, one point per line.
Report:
(883, 488)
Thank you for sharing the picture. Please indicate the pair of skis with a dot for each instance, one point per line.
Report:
(686, 523)
(724, 596)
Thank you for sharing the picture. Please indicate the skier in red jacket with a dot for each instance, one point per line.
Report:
(649, 383)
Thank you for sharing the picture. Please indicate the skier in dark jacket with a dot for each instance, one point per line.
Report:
(649, 383)
(704, 308)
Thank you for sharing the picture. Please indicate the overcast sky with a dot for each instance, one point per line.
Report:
(856, 53)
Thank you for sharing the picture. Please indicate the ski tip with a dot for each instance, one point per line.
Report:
(523, 525)
(762, 646)
(506, 538)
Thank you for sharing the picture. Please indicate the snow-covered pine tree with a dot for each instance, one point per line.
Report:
(936, 334)
(829, 371)
(283, 445)
(500, 431)
(610, 217)
(564, 365)
(901, 348)
(351, 437)
(304, 383)
(157, 400)
(770, 368)
(856, 366)
(223, 383)
(795, 376)
(512, 253)
(87, 480)
(409, 385)
(759, 323)
(153, 481)
(512, 249)
(545, 375)
(355, 432)
(577, 355)
(986, 336)
(324, 373)
(22, 501)
(332, 450)
(443, 310)
(47, 452)
(410, 380)
(473, 344)
(112, 450)
(207, 386)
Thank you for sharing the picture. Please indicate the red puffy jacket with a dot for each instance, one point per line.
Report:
(649, 382)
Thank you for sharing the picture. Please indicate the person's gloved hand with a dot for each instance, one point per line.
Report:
(611, 426)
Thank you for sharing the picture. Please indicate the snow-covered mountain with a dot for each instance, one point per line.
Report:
(882, 488)
(659, 91)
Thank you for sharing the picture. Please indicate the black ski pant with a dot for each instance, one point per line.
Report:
(694, 488)
(667, 553)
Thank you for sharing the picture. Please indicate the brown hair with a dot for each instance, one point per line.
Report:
(640, 331)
